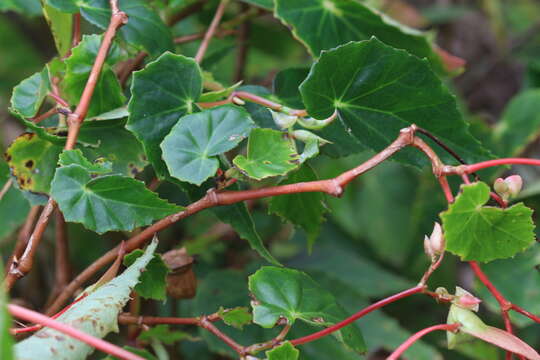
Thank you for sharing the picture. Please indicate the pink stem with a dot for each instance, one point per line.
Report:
(498, 162)
(525, 313)
(358, 315)
(403, 347)
(29, 315)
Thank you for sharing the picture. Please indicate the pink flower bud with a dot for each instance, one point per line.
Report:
(466, 300)
(508, 187)
(515, 183)
(435, 244)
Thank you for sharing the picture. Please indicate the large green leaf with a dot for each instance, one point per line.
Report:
(485, 233)
(153, 283)
(108, 93)
(325, 24)
(32, 161)
(28, 96)
(371, 85)
(295, 296)
(162, 93)
(144, 29)
(191, 147)
(13, 206)
(270, 153)
(69, 6)
(283, 352)
(95, 315)
(110, 202)
(519, 124)
(6, 341)
(518, 279)
(305, 209)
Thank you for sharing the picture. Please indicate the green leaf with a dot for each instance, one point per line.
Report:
(371, 92)
(164, 334)
(108, 93)
(519, 124)
(144, 29)
(76, 157)
(237, 317)
(525, 292)
(485, 233)
(153, 283)
(13, 206)
(286, 85)
(28, 96)
(219, 94)
(284, 351)
(61, 26)
(325, 24)
(68, 6)
(191, 147)
(294, 295)
(95, 315)
(6, 341)
(32, 161)
(110, 141)
(105, 203)
(23, 7)
(162, 93)
(306, 209)
(270, 153)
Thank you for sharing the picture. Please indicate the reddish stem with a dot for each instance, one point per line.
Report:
(525, 313)
(403, 347)
(29, 315)
(211, 30)
(468, 169)
(358, 315)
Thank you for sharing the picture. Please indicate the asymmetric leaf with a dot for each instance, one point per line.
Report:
(105, 203)
(108, 93)
(378, 90)
(325, 24)
(286, 85)
(32, 161)
(270, 153)
(28, 96)
(191, 147)
(237, 317)
(294, 295)
(485, 233)
(161, 94)
(61, 25)
(95, 315)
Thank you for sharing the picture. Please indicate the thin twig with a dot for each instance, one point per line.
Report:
(211, 30)
(62, 264)
(35, 317)
(22, 238)
(403, 347)
(192, 37)
(45, 115)
(130, 66)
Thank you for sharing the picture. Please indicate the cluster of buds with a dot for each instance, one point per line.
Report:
(509, 187)
(434, 245)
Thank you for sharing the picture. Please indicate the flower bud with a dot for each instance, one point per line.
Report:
(435, 244)
(466, 300)
(509, 187)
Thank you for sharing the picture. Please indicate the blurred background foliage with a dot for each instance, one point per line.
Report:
(371, 244)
